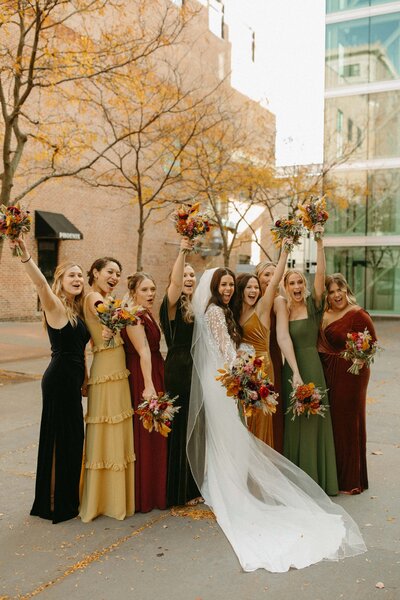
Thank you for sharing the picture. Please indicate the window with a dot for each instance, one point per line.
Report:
(253, 46)
(349, 130)
(339, 121)
(178, 2)
(351, 70)
(216, 17)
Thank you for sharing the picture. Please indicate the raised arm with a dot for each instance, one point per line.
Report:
(319, 281)
(284, 339)
(175, 287)
(265, 303)
(51, 304)
(137, 336)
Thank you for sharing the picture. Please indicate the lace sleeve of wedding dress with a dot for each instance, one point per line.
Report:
(218, 336)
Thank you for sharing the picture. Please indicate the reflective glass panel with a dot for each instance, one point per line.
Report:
(339, 5)
(384, 202)
(372, 273)
(363, 50)
(347, 203)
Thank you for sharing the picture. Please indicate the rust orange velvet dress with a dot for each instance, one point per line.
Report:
(347, 399)
(150, 448)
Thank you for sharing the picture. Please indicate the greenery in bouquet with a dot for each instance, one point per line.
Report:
(360, 349)
(157, 413)
(287, 227)
(113, 315)
(14, 221)
(248, 383)
(306, 400)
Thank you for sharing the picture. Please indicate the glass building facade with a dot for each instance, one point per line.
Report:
(362, 142)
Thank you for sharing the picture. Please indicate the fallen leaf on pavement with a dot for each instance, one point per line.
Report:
(380, 585)
(377, 452)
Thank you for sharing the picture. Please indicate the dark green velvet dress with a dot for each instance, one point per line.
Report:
(181, 486)
(308, 442)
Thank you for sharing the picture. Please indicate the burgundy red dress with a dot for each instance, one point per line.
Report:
(347, 399)
(150, 448)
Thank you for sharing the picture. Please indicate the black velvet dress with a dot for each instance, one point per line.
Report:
(61, 428)
(181, 486)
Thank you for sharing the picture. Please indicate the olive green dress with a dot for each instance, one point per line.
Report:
(308, 442)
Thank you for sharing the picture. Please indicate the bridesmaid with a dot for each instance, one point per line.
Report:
(146, 366)
(108, 478)
(176, 319)
(308, 442)
(252, 311)
(347, 392)
(61, 430)
(265, 271)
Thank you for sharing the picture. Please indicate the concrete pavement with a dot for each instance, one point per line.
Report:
(179, 556)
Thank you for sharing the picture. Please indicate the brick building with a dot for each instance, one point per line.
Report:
(72, 220)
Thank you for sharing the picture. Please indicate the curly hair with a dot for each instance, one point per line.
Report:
(216, 299)
(186, 302)
(133, 282)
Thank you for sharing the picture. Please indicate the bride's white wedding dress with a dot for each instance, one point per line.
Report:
(273, 514)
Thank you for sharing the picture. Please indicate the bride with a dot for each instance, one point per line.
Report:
(273, 514)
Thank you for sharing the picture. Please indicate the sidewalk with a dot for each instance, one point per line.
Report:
(180, 556)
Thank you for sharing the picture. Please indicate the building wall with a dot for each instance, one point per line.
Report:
(108, 220)
(362, 125)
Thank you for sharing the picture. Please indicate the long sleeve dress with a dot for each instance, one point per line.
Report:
(61, 428)
(108, 478)
(150, 448)
(308, 442)
(181, 486)
(347, 399)
(273, 514)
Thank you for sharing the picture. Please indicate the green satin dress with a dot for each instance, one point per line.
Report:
(308, 442)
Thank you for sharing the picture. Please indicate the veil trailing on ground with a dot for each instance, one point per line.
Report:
(273, 514)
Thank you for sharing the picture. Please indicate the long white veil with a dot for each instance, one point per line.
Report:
(274, 515)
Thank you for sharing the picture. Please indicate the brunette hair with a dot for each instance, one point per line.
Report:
(99, 264)
(216, 299)
(73, 308)
(241, 281)
(288, 273)
(342, 284)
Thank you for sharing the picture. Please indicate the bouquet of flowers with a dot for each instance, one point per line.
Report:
(360, 349)
(247, 381)
(157, 413)
(191, 223)
(14, 221)
(113, 315)
(306, 400)
(313, 213)
(289, 227)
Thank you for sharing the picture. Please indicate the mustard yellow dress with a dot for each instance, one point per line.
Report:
(108, 475)
(256, 334)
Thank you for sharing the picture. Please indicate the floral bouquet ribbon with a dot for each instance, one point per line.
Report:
(157, 413)
(13, 222)
(360, 350)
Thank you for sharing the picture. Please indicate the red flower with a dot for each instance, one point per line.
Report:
(257, 362)
(264, 391)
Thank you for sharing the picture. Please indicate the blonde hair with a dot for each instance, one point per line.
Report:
(288, 273)
(73, 308)
(260, 268)
(342, 284)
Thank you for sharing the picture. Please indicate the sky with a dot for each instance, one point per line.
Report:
(288, 73)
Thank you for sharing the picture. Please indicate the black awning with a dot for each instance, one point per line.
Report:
(50, 225)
